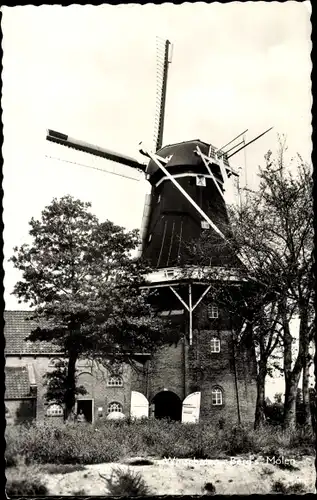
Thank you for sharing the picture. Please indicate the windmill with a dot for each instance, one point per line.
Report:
(187, 194)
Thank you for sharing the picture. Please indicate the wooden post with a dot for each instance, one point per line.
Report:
(190, 309)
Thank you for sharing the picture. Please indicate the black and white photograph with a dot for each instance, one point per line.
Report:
(158, 249)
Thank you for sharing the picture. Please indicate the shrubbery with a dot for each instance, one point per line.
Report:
(292, 489)
(24, 481)
(112, 441)
(22, 487)
(126, 483)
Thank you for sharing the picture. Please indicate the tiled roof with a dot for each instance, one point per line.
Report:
(17, 328)
(17, 383)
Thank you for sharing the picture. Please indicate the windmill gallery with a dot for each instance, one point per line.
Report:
(204, 376)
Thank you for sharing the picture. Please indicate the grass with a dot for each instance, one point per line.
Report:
(126, 483)
(113, 441)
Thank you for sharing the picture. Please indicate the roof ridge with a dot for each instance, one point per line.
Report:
(184, 142)
(17, 310)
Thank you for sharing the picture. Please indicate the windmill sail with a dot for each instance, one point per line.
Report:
(187, 196)
(86, 147)
(164, 58)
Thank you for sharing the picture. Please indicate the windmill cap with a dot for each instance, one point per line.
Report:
(182, 156)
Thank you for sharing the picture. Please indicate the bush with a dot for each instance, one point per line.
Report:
(25, 487)
(126, 483)
(238, 440)
(296, 489)
(79, 493)
(292, 489)
(279, 487)
(209, 489)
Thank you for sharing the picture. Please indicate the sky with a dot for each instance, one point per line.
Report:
(90, 72)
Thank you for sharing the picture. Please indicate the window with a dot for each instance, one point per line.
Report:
(55, 410)
(214, 345)
(213, 312)
(216, 397)
(114, 407)
(84, 362)
(54, 361)
(211, 152)
(200, 180)
(169, 273)
(115, 381)
(204, 224)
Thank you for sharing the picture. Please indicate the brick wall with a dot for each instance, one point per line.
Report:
(93, 379)
(179, 368)
(40, 366)
(184, 369)
(166, 371)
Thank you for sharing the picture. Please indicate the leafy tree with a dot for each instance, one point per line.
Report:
(55, 382)
(80, 279)
(271, 233)
(288, 205)
(254, 319)
(278, 398)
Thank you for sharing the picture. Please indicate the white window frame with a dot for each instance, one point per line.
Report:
(213, 311)
(118, 407)
(217, 396)
(204, 224)
(215, 345)
(169, 273)
(112, 378)
(55, 413)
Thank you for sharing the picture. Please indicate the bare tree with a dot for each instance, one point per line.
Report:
(270, 248)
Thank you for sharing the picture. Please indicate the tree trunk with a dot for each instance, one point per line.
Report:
(260, 399)
(70, 393)
(291, 376)
(307, 420)
(291, 384)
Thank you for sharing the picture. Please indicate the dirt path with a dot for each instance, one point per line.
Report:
(188, 476)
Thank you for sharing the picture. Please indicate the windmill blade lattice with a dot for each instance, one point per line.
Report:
(69, 155)
(163, 58)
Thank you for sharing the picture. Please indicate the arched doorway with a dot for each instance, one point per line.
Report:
(167, 405)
